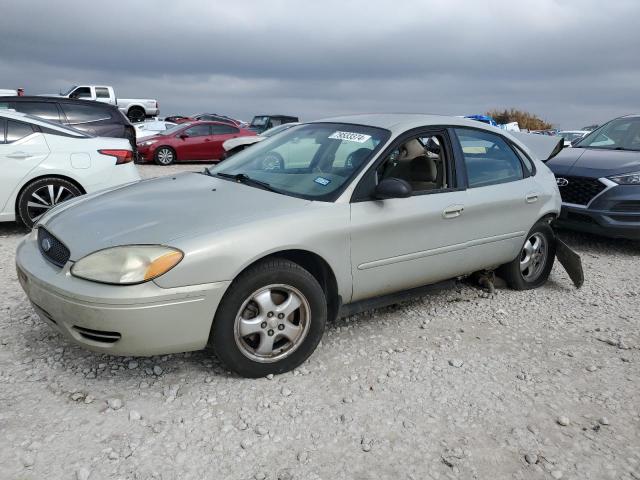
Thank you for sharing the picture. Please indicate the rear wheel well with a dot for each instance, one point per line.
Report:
(61, 177)
(321, 271)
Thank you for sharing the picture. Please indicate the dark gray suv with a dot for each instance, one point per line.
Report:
(98, 119)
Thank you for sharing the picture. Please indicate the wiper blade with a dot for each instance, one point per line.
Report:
(206, 171)
(247, 180)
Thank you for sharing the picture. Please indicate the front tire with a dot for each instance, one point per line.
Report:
(41, 195)
(136, 114)
(270, 320)
(164, 156)
(531, 268)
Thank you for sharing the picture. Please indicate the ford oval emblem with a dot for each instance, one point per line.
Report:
(46, 244)
(562, 182)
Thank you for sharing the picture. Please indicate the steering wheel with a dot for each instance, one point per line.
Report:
(272, 161)
(355, 158)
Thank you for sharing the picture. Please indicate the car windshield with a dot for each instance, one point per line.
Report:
(67, 92)
(315, 161)
(259, 121)
(278, 129)
(618, 134)
(175, 128)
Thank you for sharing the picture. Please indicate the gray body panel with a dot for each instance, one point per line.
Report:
(372, 247)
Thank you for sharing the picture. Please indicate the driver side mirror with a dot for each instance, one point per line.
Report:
(392, 188)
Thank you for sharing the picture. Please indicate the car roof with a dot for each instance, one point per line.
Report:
(44, 99)
(24, 117)
(400, 122)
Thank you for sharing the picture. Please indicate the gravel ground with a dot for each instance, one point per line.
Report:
(520, 385)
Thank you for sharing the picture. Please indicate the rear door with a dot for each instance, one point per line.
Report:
(22, 148)
(502, 196)
(220, 134)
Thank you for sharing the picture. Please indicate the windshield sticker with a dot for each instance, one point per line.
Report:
(350, 136)
(322, 181)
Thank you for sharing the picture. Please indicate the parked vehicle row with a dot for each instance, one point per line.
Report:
(45, 164)
(136, 109)
(361, 209)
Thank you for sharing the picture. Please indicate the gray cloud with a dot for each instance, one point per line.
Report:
(571, 62)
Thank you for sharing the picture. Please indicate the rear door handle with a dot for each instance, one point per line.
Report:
(453, 211)
(531, 198)
(19, 155)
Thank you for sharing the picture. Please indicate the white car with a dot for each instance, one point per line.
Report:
(44, 164)
(235, 145)
(148, 129)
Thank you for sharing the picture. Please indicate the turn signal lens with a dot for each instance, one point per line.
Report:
(162, 265)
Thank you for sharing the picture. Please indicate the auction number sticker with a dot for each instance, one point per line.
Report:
(350, 136)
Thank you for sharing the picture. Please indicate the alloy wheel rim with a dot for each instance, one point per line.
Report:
(165, 156)
(45, 198)
(533, 257)
(272, 323)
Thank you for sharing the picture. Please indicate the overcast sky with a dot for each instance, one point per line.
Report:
(571, 62)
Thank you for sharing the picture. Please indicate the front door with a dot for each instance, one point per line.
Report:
(195, 143)
(402, 243)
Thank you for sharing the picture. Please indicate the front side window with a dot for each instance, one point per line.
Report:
(82, 92)
(198, 131)
(84, 113)
(17, 130)
(618, 134)
(45, 110)
(421, 161)
(102, 92)
(313, 161)
(488, 158)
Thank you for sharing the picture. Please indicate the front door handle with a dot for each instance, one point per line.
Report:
(453, 211)
(531, 198)
(18, 155)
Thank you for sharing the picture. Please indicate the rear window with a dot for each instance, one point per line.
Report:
(102, 92)
(84, 113)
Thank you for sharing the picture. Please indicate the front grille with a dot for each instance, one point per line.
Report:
(627, 206)
(52, 249)
(579, 190)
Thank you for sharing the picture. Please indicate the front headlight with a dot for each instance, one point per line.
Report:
(128, 264)
(146, 143)
(632, 178)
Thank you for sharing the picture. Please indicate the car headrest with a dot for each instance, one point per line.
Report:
(411, 149)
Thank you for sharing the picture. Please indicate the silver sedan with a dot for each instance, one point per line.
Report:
(255, 254)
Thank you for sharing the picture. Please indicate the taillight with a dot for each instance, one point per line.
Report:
(122, 156)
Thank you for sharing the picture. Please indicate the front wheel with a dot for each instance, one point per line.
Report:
(531, 268)
(41, 195)
(270, 320)
(136, 114)
(165, 156)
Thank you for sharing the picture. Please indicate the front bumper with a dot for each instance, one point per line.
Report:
(144, 154)
(136, 320)
(614, 214)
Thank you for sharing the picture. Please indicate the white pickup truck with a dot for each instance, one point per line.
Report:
(136, 109)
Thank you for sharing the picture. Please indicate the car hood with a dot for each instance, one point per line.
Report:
(593, 162)
(162, 210)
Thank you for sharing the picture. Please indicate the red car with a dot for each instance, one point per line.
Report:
(189, 142)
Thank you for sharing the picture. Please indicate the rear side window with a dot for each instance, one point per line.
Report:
(102, 92)
(224, 129)
(488, 158)
(84, 113)
(17, 130)
(45, 110)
